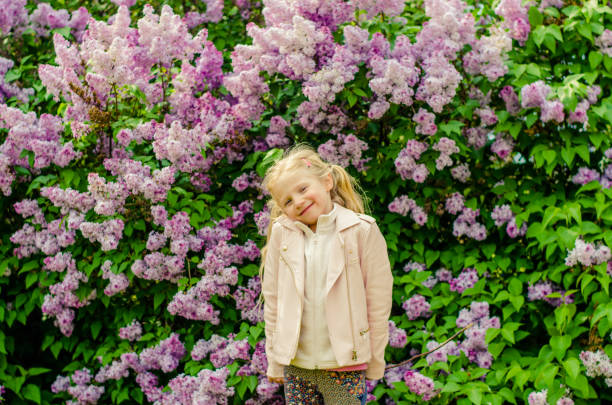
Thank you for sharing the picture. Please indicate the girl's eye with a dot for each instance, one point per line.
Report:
(303, 188)
(287, 202)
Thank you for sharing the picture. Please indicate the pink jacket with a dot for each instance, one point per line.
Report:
(358, 296)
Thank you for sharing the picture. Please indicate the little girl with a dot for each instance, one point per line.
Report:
(327, 284)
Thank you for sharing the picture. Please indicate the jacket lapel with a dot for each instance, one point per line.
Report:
(292, 249)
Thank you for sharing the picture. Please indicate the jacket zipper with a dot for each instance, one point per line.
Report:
(348, 292)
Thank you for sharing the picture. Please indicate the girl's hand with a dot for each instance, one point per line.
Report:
(278, 380)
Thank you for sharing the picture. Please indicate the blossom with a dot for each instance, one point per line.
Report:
(416, 307)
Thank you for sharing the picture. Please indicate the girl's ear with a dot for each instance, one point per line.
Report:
(329, 182)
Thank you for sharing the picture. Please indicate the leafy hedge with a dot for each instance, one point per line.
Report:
(133, 146)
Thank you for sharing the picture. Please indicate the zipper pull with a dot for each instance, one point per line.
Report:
(354, 355)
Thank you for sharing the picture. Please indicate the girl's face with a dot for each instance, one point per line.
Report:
(304, 197)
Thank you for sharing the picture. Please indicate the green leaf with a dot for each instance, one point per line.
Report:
(546, 376)
(517, 301)
(535, 17)
(595, 59)
(31, 392)
(12, 75)
(451, 387)
(96, 326)
(559, 345)
(515, 286)
(37, 371)
(572, 367)
(531, 119)
(158, 298)
(475, 396)
(491, 334)
(585, 31)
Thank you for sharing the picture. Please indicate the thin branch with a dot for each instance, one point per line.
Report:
(431, 351)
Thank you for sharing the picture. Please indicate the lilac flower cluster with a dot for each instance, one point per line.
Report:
(49, 239)
(405, 163)
(14, 19)
(488, 55)
(425, 122)
(132, 331)
(416, 307)
(403, 205)
(393, 78)
(247, 301)
(539, 397)
(446, 147)
(116, 282)
(277, 137)
(515, 18)
(82, 392)
(502, 214)
(465, 224)
(219, 275)
(604, 42)
(586, 175)
(246, 180)
(41, 136)
(474, 346)
(466, 279)
(541, 291)
(511, 100)
(597, 364)
(221, 351)
(345, 150)
(419, 384)
(61, 300)
(502, 147)
(587, 254)
(449, 349)
(8, 90)
(387, 7)
(397, 336)
(262, 220)
(535, 95)
(107, 233)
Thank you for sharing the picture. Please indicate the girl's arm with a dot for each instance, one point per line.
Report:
(378, 281)
(269, 291)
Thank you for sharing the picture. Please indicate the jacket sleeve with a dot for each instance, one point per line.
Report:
(270, 291)
(378, 281)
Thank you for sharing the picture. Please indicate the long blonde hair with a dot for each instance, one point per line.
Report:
(346, 191)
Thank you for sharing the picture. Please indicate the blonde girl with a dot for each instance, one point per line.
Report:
(326, 285)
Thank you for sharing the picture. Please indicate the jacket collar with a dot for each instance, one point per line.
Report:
(345, 218)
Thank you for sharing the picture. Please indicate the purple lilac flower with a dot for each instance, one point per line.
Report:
(466, 279)
(397, 336)
(416, 306)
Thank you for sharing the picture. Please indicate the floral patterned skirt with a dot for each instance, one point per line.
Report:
(318, 387)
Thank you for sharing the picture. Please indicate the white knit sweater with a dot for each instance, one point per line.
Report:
(314, 349)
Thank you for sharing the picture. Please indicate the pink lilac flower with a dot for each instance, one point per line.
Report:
(510, 99)
(604, 42)
(465, 224)
(488, 55)
(503, 146)
(538, 398)
(416, 306)
(116, 282)
(475, 346)
(345, 150)
(403, 205)
(405, 163)
(585, 176)
(541, 291)
(461, 172)
(397, 336)
(515, 19)
(132, 331)
(466, 279)
(476, 137)
(450, 349)
(597, 364)
(425, 122)
(420, 384)
(587, 254)
(446, 147)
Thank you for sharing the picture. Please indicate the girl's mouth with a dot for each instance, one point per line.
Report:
(307, 208)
